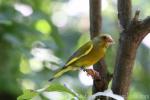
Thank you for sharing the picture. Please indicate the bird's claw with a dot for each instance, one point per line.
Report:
(94, 74)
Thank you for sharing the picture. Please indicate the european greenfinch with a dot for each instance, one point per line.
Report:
(88, 54)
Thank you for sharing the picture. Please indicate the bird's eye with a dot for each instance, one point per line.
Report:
(104, 37)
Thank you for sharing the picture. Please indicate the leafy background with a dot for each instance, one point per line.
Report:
(37, 37)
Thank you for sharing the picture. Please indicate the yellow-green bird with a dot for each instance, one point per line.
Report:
(86, 55)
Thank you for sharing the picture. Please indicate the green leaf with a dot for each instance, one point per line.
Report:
(60, 88)
(27, 95)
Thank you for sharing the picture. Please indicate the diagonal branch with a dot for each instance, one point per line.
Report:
(136, 16)
(145, 26)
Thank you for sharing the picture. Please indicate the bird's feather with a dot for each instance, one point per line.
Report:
(82, 51)
(60, 72)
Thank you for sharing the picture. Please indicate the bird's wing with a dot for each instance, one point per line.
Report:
(82, 51)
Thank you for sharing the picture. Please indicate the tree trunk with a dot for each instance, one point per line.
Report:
(131, 36)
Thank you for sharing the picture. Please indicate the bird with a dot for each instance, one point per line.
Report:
(87, 55)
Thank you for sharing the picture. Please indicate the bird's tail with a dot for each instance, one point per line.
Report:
(60, 72)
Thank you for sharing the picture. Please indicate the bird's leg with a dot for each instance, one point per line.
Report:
(91, 72)
(94, 74)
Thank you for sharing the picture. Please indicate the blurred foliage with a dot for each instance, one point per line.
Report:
(69, 94)
(37, 37)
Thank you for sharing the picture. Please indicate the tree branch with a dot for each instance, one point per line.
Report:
(145, 26)
(124, 12)
(100, 84)
(95, 17)
(139, 28)
(136, 16)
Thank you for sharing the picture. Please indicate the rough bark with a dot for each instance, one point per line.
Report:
(124, 12)
(131, 36)
(95, 17)
(99, 84)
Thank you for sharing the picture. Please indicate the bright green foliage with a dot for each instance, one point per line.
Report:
(59, 88)
(27, 95)
(30, 94)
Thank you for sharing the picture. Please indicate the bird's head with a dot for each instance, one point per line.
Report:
(104, 39)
